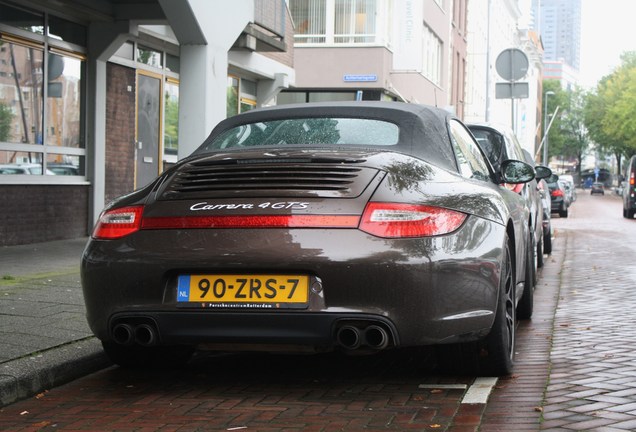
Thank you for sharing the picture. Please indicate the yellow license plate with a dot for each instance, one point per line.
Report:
(243, 289)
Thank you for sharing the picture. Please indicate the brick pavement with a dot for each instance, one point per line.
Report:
(576, 369)
(576, 359)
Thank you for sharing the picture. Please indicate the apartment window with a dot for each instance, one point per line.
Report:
(355, 21)
(310, 17)
(432, 67)
(341, 21)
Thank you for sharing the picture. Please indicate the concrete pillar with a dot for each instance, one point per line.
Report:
(206, 31)
(103, 41)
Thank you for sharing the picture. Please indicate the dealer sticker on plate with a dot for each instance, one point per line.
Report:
(235, 290)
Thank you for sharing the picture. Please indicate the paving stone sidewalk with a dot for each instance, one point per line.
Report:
(44, 336)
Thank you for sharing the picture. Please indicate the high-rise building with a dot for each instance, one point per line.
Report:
(559, 24)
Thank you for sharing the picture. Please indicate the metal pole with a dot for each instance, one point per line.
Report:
(487, 113)
(545, 126)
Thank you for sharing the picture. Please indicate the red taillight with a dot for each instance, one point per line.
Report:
(391, 220)
(118, 222)
(557, 193)
(256, 221)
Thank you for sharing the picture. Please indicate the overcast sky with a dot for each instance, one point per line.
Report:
(607, 30)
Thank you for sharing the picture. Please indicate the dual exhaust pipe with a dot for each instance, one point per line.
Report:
(141, 334)
(352, 337)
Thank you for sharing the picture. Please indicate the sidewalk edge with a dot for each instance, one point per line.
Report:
(28, 376)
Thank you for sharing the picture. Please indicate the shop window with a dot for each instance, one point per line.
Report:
(22, 19)
(291, 97)
(171, 122)
(247, 104)
(149, 56)
(64, 100)
(22, 99)
(63, 164)
(172, 63)
(67, 31)
(232, 96)
(41, 105)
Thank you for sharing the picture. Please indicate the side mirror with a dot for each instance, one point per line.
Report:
(542, 172)
(514, 171)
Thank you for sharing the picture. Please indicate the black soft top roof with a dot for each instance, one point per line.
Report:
(423, 129)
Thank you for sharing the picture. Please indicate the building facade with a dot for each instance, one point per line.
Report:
(495, 26)
(559, 24)
(379, 50)
(99, 97)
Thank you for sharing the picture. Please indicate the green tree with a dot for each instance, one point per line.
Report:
(567, 137)
(610, 112)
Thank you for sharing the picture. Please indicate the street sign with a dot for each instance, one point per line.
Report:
(512, 64)
(512, 90)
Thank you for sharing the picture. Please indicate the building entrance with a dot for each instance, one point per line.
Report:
(148, 151)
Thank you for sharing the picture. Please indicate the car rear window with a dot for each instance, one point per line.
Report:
(312, 131)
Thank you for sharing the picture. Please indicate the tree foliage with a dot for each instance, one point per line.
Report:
(610, 112)
(567, 137)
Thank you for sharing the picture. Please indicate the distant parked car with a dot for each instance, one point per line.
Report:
(629, 190)
(546, 202)
(597, 188)
(559, 203)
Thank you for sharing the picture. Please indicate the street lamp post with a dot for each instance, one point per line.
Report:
(545, 126)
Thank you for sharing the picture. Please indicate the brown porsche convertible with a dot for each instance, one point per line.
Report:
(344, 226)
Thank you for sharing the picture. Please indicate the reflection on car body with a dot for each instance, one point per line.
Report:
(316, 227)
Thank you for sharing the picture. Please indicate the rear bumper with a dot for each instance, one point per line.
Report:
(421, 291)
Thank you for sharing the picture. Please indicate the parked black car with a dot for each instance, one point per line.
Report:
(351, 226)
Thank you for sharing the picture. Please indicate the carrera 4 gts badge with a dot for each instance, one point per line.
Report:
(281, 205)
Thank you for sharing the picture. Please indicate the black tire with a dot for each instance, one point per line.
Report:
(136, 356)
(630, 214)
(497, 350)
(526, 304)
(540, 254)
(563, 213)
